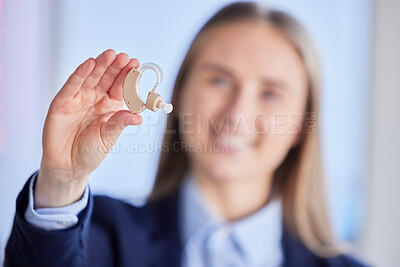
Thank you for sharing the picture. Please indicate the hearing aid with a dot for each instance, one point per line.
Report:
(132, 99)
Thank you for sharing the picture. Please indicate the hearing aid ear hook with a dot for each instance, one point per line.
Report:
(132, 99)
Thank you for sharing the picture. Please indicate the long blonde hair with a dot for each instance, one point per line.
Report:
(299, 178)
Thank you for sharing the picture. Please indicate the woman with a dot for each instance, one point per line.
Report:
(239, 181)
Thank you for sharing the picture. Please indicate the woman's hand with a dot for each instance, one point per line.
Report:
(84, 121)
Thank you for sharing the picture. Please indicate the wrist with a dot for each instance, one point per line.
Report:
(54, 190)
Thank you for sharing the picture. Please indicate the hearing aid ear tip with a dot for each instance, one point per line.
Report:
(166, 107)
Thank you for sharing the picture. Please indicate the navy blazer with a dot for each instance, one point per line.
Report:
(113, 233)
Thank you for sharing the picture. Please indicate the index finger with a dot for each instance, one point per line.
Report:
(77, 78)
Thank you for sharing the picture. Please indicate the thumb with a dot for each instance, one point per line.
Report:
(114, 126)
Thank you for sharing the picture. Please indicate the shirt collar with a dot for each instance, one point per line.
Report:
(258, 235)
(195, 216)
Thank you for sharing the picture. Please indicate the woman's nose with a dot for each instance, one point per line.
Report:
(241, 110)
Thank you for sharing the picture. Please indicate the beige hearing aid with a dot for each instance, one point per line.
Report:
(132, 99)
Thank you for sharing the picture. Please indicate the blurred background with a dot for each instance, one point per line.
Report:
(42, 42)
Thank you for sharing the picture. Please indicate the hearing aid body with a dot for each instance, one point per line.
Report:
(132, 99)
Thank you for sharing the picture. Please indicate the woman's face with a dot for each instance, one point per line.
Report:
(243, 101)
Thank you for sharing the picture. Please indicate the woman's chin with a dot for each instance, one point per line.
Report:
(222, 167)
(225, 172)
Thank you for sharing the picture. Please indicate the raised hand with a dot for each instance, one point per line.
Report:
(84, 121)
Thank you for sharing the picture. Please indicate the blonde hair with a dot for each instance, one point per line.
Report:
(298, 179)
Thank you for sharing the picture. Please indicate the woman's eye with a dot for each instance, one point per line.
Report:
(269, 95)
(221, 82)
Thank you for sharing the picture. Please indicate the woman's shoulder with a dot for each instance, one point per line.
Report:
(104, 203)
(108, 209)
(344, 260)
(298, 254)
(132, 234)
